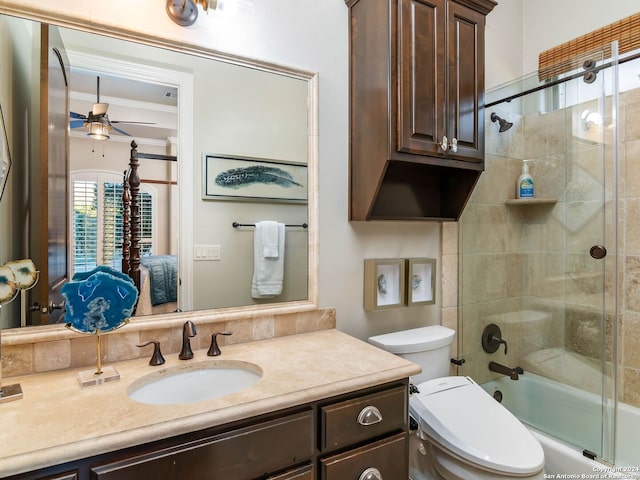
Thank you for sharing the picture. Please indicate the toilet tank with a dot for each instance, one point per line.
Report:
(429, 347)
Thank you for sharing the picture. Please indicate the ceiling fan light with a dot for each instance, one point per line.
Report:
(99, 108)
(98, 131)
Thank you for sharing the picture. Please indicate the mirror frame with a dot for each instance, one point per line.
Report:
(57, 331)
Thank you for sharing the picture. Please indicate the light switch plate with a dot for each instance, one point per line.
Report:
(206, 252)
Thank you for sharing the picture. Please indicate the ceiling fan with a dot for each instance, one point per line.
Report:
(97, 121)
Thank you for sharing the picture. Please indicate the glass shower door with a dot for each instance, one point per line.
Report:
(543, 270)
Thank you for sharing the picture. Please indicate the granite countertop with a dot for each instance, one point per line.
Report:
(58, 420)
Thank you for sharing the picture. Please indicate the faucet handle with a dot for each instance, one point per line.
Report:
(156, 358)
(495, 339)
(492, 338)
(214, 349)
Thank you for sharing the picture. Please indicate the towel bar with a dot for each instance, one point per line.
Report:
(236, 225)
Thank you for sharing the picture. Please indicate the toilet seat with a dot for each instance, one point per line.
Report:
(459, 415)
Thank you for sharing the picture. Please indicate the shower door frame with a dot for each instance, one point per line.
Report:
(601, 283)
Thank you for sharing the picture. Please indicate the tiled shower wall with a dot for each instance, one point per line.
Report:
(514, 258)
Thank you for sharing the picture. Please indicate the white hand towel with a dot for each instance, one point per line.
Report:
(269, 232)
(268, 272)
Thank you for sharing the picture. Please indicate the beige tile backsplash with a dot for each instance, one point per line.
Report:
(76, 350)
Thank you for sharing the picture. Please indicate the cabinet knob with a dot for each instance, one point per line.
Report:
(445, 144)
(369, 415)
(371, 473)
(454, 145)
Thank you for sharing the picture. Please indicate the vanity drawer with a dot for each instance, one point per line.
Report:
(388, 456)
(240, 454)
(305, 472)
(362, 418)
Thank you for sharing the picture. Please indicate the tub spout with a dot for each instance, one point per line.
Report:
(512, 373)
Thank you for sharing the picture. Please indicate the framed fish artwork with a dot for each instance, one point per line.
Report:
(227, 177)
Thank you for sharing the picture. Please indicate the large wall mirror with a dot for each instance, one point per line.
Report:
(194, 115)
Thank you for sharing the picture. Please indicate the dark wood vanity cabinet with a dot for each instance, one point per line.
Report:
(338, 438)
(416, 106)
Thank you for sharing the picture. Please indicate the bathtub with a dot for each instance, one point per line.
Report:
(566, 413)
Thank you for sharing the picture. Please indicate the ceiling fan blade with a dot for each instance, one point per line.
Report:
(138, 123)
(121, 131)
(77, 115)
(76, 123)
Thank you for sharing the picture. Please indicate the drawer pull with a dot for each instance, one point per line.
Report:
(371, 473)
(369, 416)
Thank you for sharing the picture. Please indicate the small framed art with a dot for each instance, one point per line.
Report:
(421, 281)
(384, 283)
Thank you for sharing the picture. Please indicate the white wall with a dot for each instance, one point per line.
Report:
(503, 43)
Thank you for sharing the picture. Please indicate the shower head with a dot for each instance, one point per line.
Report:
(504, 125)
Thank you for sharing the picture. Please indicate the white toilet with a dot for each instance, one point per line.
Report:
(463, 434)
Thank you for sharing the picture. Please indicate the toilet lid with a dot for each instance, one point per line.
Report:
(458, 414)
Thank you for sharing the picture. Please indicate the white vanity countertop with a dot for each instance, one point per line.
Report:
(58, 420)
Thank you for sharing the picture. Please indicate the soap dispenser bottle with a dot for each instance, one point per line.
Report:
(524, 188)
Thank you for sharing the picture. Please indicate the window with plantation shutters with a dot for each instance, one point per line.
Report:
(97, 221)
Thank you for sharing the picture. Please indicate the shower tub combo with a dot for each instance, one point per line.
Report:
(566, 409)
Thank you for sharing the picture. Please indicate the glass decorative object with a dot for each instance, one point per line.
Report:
(15, 277)
(98, 302)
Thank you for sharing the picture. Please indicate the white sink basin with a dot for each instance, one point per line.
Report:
(194, 382)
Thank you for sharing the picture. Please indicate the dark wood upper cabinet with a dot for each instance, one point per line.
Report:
(416, 107)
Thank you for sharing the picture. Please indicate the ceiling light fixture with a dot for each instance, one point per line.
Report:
(185, 12)
(98, 130)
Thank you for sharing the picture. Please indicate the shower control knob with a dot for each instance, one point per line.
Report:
(598, 252)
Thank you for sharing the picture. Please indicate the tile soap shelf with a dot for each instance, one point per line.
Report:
(531, 201)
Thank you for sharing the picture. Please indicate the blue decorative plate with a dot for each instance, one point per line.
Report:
(102, 301)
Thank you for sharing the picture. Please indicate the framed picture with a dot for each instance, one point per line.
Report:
(5, 157)
(227, 177)
(384, 283)
(421, 281)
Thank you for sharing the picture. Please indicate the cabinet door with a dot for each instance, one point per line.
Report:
(421, 76)
(465, 47)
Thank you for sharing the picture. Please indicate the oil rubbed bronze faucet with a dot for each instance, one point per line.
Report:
(214, 349)
(512, 373)
(188, 331)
